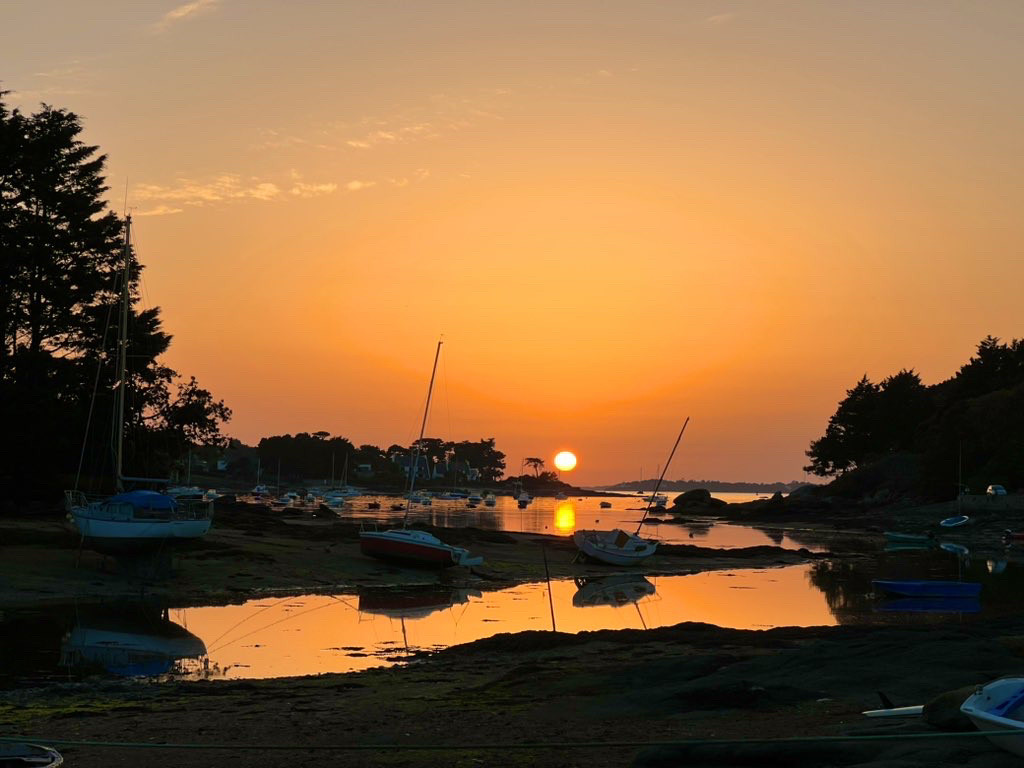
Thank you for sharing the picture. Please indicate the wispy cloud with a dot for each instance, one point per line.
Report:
(222, 188)
(356, 185)
(719, 19)
(160, 210)
(182, 12)
(394, 135)
(304, 189)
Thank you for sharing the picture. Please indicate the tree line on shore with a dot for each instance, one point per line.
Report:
(902, 436)
(319, 457)
(62, 253)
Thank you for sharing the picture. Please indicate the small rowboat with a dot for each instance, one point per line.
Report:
(16, 754)
(999, 706)
(926, 588)
(955, 522)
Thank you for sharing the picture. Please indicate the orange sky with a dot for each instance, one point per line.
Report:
(618, 214)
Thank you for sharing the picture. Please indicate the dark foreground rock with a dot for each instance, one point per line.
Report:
(564, 695)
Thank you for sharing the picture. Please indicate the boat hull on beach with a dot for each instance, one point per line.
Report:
(412, 547)
(138, 521)
(615, 547)
(999, 706)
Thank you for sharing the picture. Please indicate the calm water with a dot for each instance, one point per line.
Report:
(562, 517)
(312, 634)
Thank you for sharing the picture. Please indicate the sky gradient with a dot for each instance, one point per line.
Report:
(617, 214)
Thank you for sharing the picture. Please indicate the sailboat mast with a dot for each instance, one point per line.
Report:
(122, 356)
(423, 428)
(662, 477)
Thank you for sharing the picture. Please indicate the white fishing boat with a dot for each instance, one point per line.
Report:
(615, 547)
(998, 707)
(135, 520)
(523, 500)
(410, 546)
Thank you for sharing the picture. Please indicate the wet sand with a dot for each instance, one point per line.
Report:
(688, 681)
(252, 550)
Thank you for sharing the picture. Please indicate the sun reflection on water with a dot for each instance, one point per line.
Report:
(565, 517)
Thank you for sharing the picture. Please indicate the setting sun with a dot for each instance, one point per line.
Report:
(565, 461)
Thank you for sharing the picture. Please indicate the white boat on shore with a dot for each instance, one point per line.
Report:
(615, 547)
(998, 707)
(136, 520)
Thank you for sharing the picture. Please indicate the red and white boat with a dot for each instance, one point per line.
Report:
(407, 545)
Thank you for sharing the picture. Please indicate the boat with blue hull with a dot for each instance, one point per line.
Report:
(927, 588)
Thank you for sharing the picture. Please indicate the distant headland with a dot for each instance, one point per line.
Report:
(721, 486)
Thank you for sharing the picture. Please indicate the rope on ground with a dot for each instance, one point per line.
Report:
(508, 746)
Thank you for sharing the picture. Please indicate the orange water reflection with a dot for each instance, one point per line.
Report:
(313, 634)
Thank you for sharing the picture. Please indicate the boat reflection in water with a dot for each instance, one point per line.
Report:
(412, 603)
(616, 590)
(129, 641)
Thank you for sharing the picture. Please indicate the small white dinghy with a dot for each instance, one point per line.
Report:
(614, 547)
(997, 707)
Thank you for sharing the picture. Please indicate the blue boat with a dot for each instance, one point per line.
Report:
(955, 522)
(925, 588)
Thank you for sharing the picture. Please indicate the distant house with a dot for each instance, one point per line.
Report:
(405, 464)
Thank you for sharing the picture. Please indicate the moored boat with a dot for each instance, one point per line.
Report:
(615, 547)
(34, 755)
(998, 707)
(895, 537)
(413, 547)
(410, 546)
(927, 588)
(955, 521)
(137, 520)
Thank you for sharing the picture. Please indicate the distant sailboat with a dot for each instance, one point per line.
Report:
(404, 544)
(133, 520)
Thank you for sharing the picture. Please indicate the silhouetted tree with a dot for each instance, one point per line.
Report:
(535, 463)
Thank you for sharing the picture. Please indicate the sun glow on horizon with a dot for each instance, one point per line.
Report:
(565, 461)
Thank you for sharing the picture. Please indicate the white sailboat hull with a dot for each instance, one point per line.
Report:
(999, 706)
(614, 547)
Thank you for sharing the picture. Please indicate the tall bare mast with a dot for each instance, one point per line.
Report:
(122, 355)
(423, 428)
